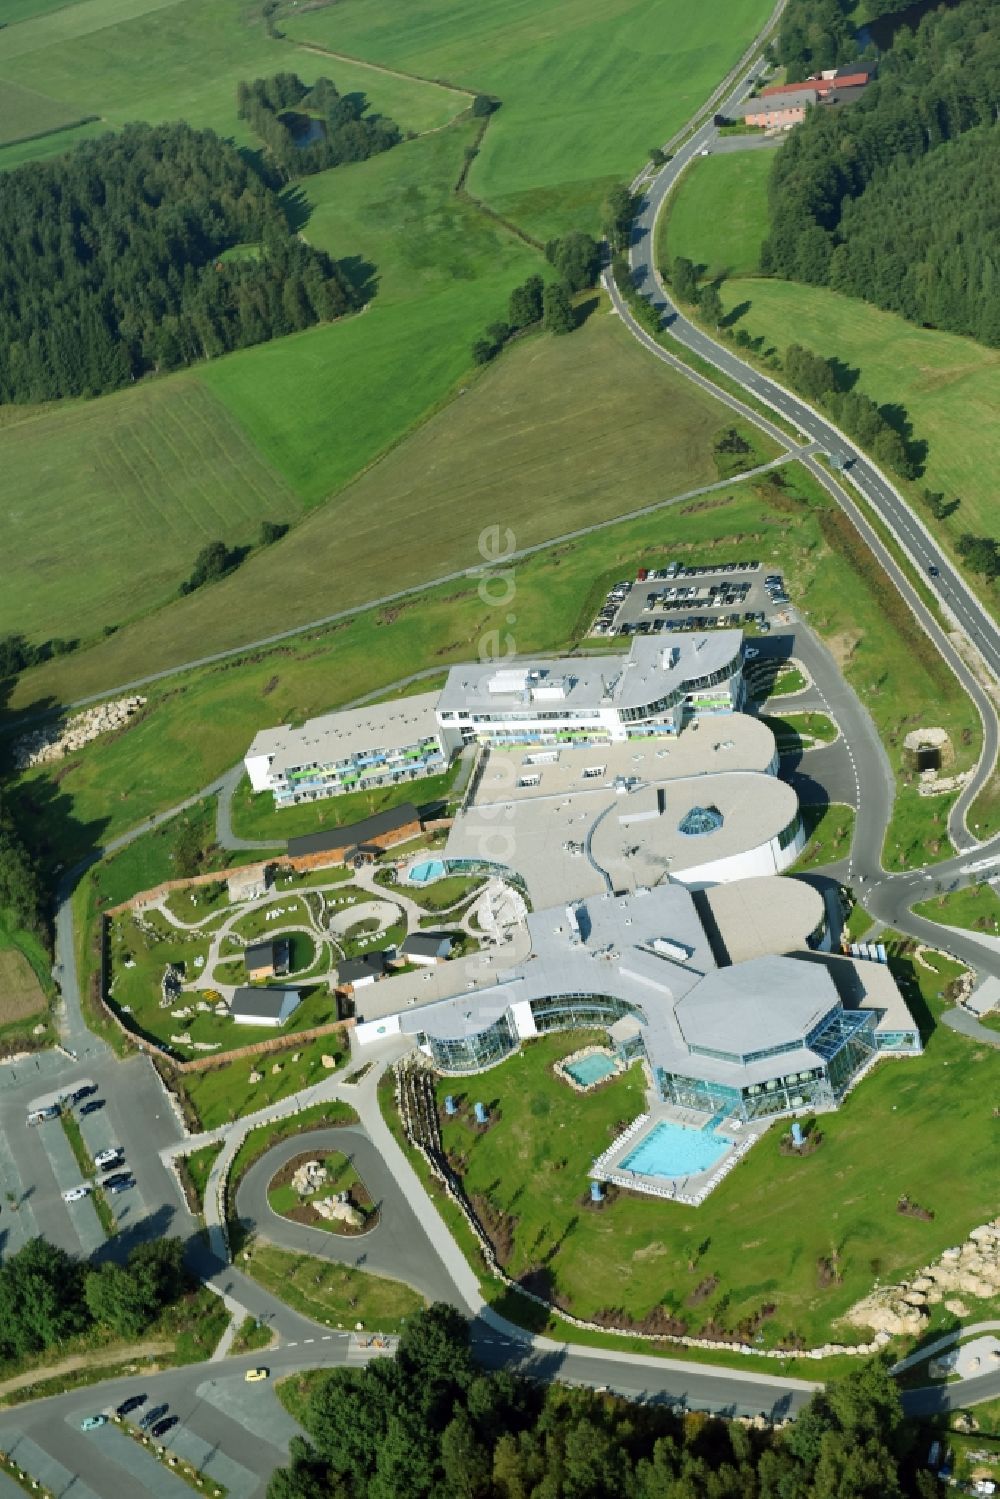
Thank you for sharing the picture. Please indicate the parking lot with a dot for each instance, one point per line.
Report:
(743, 594)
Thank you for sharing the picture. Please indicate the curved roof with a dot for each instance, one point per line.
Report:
(756, 1005)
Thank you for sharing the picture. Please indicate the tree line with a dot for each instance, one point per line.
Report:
(894, 200)
(429, 1424)
(815, 34)
(576, 260)
(47, 1296)
(113, 262)
(309, 130)
(22, 891)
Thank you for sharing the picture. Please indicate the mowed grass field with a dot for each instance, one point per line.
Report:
(763, 1235)
(25, 113)
(537, 443)
(105, 504)
(717, 214)
(20, 993)
(950, 386)
(587, 86)
(181, 59)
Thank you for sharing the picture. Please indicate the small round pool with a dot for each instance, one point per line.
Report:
(430, 869)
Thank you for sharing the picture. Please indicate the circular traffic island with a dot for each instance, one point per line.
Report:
(323, 1191)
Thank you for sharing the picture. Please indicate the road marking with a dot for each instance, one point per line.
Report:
(308, 1340)
(291, 1345)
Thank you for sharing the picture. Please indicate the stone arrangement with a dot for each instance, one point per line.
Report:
(56, 740)
(970, 1269)
(309, 1178)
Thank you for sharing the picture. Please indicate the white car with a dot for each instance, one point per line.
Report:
(109, 1157)
(751, 653)
(75, 1194)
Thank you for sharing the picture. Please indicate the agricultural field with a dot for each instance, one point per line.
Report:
(535, 443)
(198, 725)
(107, 503)
(762, 1239)
(26, 114)
(182, 59)
(717, 215)
(561, 69)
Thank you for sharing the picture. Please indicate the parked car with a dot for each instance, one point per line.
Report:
(105, 1159)
(123, 1183)
(162, 1427)
(152, 1416)
(75, 1194)
(751, 652)
(38, 1116)
(87, 1091)
(131, 1404)
(252, 1375)
(115, 1177)
(93, 1106)
(89, 1422)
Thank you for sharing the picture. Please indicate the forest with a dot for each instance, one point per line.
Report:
(308, 130)
(146, 251)
(895, 200)
(429, 1424)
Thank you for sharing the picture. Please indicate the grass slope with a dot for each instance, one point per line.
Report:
(764, 1232)
(562, 69)
(717, 217)
(106, 503)
(949, 386)
(976, 908)
(536, 444)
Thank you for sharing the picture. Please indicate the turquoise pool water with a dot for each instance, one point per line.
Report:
(671, 1150)
(430, 869)
(590, 1070)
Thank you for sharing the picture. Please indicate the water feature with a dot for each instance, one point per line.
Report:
(672, 1150)
(423, 873)
(590, 1070)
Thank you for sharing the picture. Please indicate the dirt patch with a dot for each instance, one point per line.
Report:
(703, 1291)
(843, 645)
(21, 994)
(650, 1251)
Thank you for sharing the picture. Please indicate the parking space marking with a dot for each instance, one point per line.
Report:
(208, 1458)
(147, 1471)
(45, 1468)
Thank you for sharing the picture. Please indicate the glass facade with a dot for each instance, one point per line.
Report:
(473, 1053)
(573, 1011)
(699, 821)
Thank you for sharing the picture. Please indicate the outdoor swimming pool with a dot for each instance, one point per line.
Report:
(590, 1070)
(671, 1150)
(430, 869)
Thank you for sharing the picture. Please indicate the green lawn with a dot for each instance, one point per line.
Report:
(224, 1093)
(254, 815)
(830, 833)
(788, 681)
(106, 503)
(950, 386)
(197, 1167)
(537, 445)
(976, 908)
(797, 731)
(764, 1231)
(562, 69)
(334, 1294)
(717, 215)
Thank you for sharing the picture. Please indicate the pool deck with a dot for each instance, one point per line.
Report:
(689, 1190)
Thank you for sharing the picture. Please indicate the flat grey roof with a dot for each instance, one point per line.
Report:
(652, 668)
(785, 100)
(764, 914)
(752, 1006)
(338, 736)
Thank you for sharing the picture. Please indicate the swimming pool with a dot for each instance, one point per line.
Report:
(590, 1070)
(671, 1150)
(430, 869)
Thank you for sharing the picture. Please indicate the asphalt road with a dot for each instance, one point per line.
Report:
(871, 484)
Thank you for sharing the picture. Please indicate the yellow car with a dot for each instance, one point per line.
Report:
(252, 1375)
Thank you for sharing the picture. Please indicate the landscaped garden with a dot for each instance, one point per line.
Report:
(829, 834)
(331, 1195)
(242, 1086)
(976, 908)
(785, 1244)
(796, 732)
